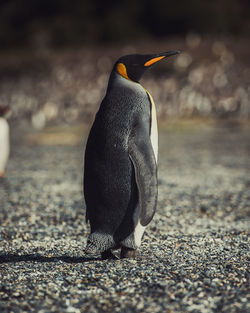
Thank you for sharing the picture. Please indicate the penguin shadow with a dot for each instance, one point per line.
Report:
(15, 258)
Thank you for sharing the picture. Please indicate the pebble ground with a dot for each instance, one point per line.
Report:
(195, 253)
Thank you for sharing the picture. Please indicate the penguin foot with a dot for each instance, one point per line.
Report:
(91, 250)
(108, 255)
(128, 253)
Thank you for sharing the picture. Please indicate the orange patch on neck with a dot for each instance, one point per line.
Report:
(154, 60)
(121, 69)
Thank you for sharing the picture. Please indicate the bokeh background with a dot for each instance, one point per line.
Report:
(55, 60)
(55, 57)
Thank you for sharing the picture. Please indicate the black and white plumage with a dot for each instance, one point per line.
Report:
(120, 172)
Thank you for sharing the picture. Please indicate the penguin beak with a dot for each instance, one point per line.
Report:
(160, 56)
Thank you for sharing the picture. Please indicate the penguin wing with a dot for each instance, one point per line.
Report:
(143, 159)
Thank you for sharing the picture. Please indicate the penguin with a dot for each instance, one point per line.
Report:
(4, 139)
(120, 166)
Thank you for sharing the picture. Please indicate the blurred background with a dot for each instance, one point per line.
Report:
(55, 61)
(56, 56)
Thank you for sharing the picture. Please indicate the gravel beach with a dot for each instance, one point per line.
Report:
(195, 253)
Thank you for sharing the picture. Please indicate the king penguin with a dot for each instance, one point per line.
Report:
(4, 139)
(120, 167)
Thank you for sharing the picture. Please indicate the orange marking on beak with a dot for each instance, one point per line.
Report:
(121, 69)
(154, 60)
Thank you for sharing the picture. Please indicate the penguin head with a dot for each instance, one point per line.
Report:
(5, 111)
(133, 66)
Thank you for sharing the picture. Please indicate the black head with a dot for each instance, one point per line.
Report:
(4, 111)
(133, 66)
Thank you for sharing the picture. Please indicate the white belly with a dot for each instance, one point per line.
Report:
(4, 144)
(154, 128)
(139, 229)
(138, 233)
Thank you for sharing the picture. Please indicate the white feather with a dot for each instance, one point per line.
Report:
(139, 229)
(4, 144)
(138, 233)
(154, 128)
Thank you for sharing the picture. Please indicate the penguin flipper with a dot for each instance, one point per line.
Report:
(143, 159)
